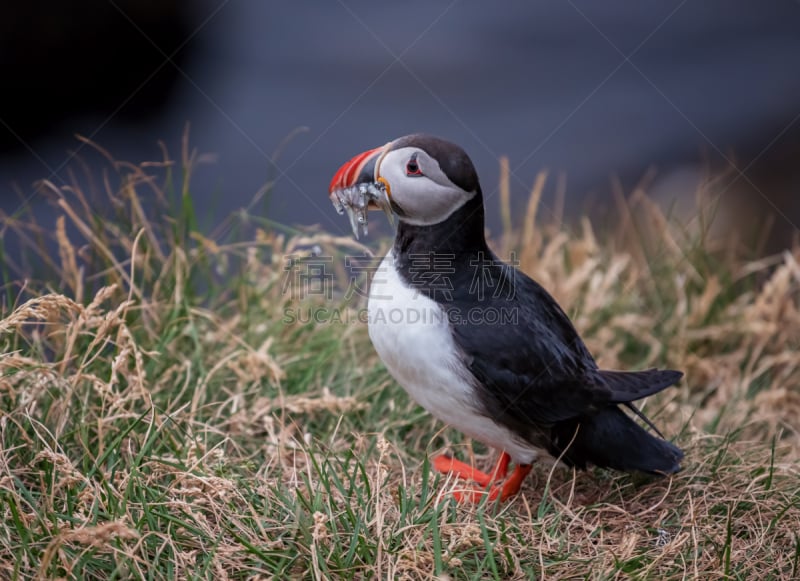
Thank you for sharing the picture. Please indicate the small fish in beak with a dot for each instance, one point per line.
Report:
(357, 199)
(354, 190)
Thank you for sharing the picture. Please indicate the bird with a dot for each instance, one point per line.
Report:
(482, 346)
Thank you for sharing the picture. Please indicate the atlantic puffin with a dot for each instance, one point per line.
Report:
(482, 346)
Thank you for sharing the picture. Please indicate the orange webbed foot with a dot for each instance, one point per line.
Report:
(449, 465)
(485, 482)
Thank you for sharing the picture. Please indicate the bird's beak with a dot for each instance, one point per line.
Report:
(357, 185)
(359, 170)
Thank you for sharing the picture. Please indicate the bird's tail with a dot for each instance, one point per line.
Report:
(611, 439)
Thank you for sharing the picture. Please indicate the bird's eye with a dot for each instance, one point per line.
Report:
(412, 168)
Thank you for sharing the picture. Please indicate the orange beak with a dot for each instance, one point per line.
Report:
(353, 188)
(358, 170)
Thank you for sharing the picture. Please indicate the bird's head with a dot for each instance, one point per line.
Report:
(424, 179)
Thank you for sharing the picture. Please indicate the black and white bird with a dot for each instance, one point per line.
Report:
(482, 346)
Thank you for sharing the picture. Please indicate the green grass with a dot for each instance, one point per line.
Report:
(161, 419)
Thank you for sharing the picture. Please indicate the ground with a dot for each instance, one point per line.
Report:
(175, 406)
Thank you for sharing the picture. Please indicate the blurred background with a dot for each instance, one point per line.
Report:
(603, 96)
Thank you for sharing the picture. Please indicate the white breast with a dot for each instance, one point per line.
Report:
(412, 336)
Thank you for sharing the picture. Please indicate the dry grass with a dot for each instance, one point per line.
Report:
(161, 419)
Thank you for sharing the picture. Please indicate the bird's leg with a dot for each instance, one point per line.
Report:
(447, 464)
(512, 485)
(485, 481)
(504, 491)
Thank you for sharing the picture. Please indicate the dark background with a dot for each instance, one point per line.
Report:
(591, 90)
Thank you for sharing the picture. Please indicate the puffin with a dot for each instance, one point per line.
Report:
(482, 346)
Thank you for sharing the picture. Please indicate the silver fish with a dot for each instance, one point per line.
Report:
(355, 201)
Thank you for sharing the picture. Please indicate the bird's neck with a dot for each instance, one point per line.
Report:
(461, 233)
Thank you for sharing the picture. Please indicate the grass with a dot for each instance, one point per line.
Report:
(161, 419)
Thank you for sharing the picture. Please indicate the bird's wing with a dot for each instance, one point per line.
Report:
(526, 357)
(530, 364)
